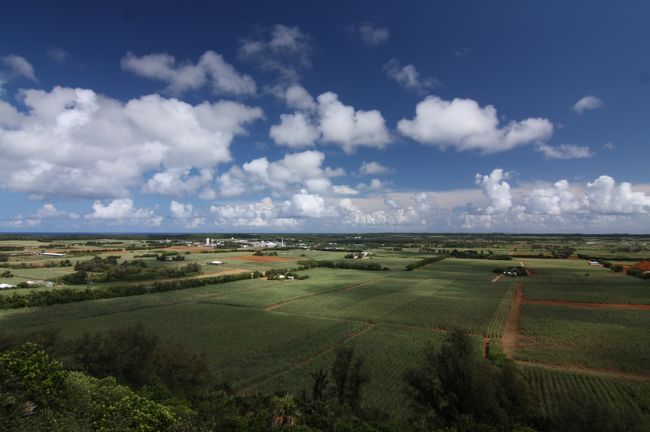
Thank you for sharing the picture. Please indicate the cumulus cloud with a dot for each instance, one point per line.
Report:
(496, 189)
(465, 125)
(123, 211)
(210, 69)
(331, 122)
(294, 171)
(180, 210)
(177, 182)
(556, 200)
(373, 35)
(281, 49)
(408, 77)
(58, 54)
(298, 98)
(390, 214)
(344, 190)
(263, 213)
(295, 131)
(49, 211)
(565, 151)
(373, 168)
(77, 143)
(343, 125)
(605, 196)
(587, 103)
(18, 66)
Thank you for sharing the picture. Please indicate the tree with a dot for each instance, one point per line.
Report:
(349, 375)
(454, 383)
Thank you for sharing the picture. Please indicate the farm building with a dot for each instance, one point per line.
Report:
(595, 263)
(6, 285)
(215, 263)
(53, 254)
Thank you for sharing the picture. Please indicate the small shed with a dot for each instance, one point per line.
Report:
(215, 263)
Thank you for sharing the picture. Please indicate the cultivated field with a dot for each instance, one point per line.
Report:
(567, 325)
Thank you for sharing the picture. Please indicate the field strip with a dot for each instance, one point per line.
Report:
(362, 284)
(274, 306)
(379, 322)
(511, 327)
(622, 306)
(588, 371)
(306, 360)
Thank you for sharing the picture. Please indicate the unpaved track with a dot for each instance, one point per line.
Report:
(622, 306)
(306, 360)
(511, 327)
(590, 371)
(496, 278)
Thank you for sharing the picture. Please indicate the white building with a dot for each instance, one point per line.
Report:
(215, 263)
(6, 285)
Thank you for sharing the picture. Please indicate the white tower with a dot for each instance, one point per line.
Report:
(207, 241)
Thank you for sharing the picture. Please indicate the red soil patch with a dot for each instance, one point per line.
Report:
(641, 265)
(511, 327)
(623, 306)
(254, 258)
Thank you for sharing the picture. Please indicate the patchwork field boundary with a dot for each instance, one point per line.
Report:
(305, 361)
(272, 307)
(621, 306)
(607, 373)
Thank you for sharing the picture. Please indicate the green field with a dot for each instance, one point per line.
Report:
(268, 336)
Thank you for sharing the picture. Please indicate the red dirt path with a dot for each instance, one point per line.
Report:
(511, 328)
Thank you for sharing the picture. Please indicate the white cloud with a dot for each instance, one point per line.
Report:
(58, 54)
(335, 172)
(605, 196)
(343, 125)
(565, 151)
(295, 131)
(388, 214)
(373, 168)
(263, 213)
(344, 190)
(464, 125)
(123, 211)
(556, 200)
(211, 68)
(331, 122)
(49, 211)
(587, 103)
(18, 66)
(308, 205)
(298, 98)
(496, 189)
(408, 77)
(76, 143)
(293, 172)
(9, 116)
(177, 182)
(282, 50)
(373, 35)
(180, 210)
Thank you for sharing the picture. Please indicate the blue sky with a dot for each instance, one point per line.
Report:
(332, 116)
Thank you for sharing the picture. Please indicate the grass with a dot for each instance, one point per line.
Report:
(566, 280)
(388, 317)
(549, 387)
(607, 339)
